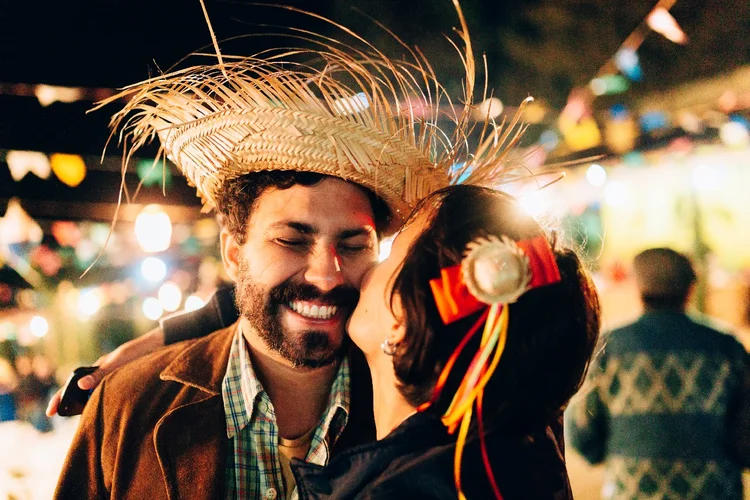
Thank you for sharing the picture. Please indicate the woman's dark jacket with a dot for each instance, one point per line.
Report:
(415, 461)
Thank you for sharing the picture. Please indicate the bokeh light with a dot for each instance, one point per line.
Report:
(706, 178)
(170, 296)
(535, 203)
(153, 269)
(39, 326)
(596, 175)
(88, 302)
(152, 308)
(616, 194)
(193, 303)
(153, 229)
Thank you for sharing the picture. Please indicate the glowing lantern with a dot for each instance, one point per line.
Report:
(70, 169)
(153, 229)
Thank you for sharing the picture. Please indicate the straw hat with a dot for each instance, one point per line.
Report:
(333, 109)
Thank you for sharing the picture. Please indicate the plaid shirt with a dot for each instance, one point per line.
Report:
(253, 466)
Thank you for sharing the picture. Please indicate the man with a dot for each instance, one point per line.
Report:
(305, 178)
(297, 266)
(664, 398)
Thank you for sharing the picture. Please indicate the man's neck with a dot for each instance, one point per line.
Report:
(299, 395)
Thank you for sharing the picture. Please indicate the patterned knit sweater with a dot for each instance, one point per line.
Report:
(655, 410)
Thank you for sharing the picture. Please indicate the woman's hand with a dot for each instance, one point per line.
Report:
(126, 353)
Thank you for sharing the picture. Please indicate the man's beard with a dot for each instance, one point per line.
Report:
(263, 309)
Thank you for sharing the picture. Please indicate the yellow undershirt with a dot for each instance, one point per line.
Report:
(289, 449)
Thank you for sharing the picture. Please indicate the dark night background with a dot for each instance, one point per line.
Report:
(542, 48)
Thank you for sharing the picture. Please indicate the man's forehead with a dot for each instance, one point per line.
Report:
(330, 203)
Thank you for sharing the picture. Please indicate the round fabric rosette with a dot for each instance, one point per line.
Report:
(495, 270)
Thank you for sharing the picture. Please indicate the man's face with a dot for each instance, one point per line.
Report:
(298, 274)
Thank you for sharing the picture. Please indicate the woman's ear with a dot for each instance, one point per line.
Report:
(397, 331)
(230, 254)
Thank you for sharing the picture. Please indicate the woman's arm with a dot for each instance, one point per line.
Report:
(219, 312)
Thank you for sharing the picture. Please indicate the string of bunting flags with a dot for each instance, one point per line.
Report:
(71, 169)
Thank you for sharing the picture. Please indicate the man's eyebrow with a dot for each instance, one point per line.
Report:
(300, 227)
(352, 233)
(304, 228)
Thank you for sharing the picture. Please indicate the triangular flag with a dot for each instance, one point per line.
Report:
(22, 162)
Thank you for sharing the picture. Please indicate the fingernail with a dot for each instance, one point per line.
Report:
(86, 382)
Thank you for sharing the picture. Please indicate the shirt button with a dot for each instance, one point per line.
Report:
(270, 494)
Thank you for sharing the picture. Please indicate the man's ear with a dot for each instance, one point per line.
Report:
(230, 254)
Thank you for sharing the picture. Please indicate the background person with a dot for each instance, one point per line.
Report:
(665, 396)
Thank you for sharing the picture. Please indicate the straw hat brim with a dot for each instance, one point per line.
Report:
(229, 144)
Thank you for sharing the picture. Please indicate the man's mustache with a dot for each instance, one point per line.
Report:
(343, 296)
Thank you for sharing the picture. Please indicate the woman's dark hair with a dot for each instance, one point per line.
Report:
(237, 198)
(552, 330)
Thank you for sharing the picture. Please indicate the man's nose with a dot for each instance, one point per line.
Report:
(324, 269)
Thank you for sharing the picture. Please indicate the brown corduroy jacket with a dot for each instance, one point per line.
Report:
(156, 428)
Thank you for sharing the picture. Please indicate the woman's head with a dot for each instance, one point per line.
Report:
(552, 329)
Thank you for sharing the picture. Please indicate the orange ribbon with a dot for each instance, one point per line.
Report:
(452, 298)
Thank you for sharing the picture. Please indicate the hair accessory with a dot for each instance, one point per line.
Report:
(495, 272)
(388, 347)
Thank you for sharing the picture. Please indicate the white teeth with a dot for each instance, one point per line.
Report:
(313, 311)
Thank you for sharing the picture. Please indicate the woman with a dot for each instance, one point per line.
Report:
(408, 336)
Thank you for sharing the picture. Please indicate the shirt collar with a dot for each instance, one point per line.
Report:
(241, 391)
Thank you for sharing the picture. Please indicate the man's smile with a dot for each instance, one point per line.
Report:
(313, 310)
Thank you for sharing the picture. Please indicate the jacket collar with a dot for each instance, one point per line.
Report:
(190, 439)
(203, 363)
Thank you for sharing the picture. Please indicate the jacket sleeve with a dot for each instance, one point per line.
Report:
(587, 419)
(82, 475)
(219, 312)
(738, 434)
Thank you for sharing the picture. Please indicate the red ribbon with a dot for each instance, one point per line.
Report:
(453, 299)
